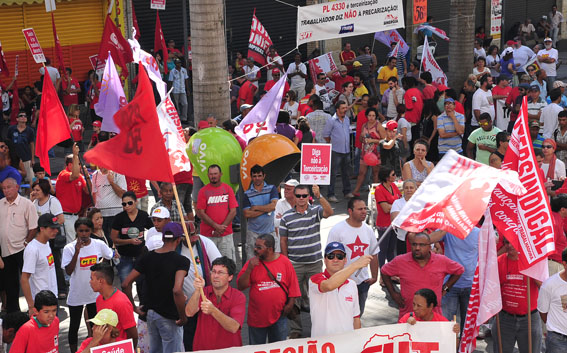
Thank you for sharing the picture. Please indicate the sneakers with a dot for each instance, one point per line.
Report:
(333, 199)
(349, 195)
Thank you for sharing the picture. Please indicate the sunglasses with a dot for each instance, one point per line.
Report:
(129, 203)
(302, 196)
(332, 256)
(547, 146)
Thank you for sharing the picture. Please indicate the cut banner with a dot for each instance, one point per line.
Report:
(259, 41)
(323, 64)
(390, 36)
(347, 18)
(525, 220)
(151, 65)
(173, 137)
(437, 31)
(454, 196)
(429, 64)
(387, 338)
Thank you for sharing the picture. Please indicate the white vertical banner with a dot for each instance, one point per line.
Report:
(173, 136)
(429, 64)
(495, 18)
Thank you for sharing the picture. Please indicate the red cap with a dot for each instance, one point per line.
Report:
(203, 124)
(510, 43)
(442, 88)
(275, 71)
(97, 123)
(391, 125)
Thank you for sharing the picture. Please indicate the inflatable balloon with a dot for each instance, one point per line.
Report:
(214, 146)
(276, 153)
(370, 159)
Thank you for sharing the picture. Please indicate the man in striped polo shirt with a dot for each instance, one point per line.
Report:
(450, 126)
(301, 242)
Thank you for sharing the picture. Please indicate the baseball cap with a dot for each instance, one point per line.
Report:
(105, 317)
(507, 51)
(243, 107)
(161, 212)
(442, 88)
(97, 123)
(356, 64)
(342, 68)
(547, 39)
(292, 182)
(449, 100)
(510, 42)
(203, 124)
(275, 71)
(172, 230)
(391, 125)
(534, 88)
(558, 84)
(334, 246)
(534, 123)
(524, 86)
(48, 220)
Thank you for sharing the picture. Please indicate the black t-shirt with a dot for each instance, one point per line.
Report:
(391, 157)
(21, 141)
(125, 226)
(159, 270)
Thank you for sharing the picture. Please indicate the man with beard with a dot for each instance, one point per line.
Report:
(273, 289)
(547, 59)
(221, 314)
(418, 269)
(482, 101)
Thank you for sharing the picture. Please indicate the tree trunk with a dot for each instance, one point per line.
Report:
(461, 32)
(210, 67)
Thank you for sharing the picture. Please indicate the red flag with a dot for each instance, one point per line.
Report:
(259, 41)
(15, 104)
(159, 42)
(58, 50)
(53, 126)
(525, 220)
(138, 150)
(135, 22)
(3, 65)
(113, 41)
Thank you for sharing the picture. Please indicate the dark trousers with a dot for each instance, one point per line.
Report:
(107, 228)
(75, 314)
(12, 270)
(189, 330)
(61, 285)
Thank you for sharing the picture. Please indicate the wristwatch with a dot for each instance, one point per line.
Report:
(446, 288)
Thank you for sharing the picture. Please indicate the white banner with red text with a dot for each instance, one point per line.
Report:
(429, 64)
(347, 18)
(423, 337)
(173, 136)
(323, 64)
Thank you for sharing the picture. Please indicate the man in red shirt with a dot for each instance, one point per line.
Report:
(413, 99)
(216, 207)
(70, 187)
(246, 92)
(429, 90)
(418, 269)
(41, 333)
(275, 78)
(102, 277)
(339, 77)
(273, 289)
(500, 93)
(221, 314)
(513, 317)
(70, 88)
(347, 55)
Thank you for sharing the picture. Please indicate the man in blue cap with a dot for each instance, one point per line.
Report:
(333, 296)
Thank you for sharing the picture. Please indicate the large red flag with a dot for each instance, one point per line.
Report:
(53, 126)
(113, 41)
(159, 42)
(3, 65)
(58, 50)
(138, 150)
(259, 41)
(135, 22)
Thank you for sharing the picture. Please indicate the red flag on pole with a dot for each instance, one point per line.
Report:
(3, 65)
(135, 22)
(113, 41)
(138, 150)
(58, 50)
(53, 126)
(159, 42)
(259, 41)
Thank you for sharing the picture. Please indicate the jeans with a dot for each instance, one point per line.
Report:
(388, 246)
(515, 329)
(304, 273)
(555, 343)
(180, 100)
(357, 153)
(277, 332)
(125, 266)
(456, 301)
(342, 161)
(362, 295)
(107, 228)
(165, 335)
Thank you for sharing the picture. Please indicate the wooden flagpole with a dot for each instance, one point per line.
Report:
(529, 317)
(499, 333)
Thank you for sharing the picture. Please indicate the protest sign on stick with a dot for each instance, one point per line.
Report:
(315, 164)
(34, 45)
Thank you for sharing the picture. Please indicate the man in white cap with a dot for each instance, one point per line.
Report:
(547, 60)
(334, 297)
(160, 217)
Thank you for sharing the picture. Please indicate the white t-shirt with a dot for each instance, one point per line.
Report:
(357, 241)
(107, 201)
(550, 69)
(391, 111)
(521, 56)
(252, 73)
(549, 119)
(490, 61)
(332, 312)
(52, 206)
(403, 123)
(212, 253)
(39, 262)
(397, 207)
(154, 239)
(53, 73)
(297, 80)
(282, 206)
(479, 52)
(559, 169)
(292, 110)
(482, 101)
(80, 291)
(552, 300)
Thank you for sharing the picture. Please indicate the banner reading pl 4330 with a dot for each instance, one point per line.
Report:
(347, 18)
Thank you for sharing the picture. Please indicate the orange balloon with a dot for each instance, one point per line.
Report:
(276, 153)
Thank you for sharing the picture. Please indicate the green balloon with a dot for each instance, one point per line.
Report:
(214, 146)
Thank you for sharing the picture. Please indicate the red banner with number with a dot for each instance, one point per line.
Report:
(419, 11)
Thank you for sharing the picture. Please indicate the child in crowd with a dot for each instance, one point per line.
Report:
(96, 130)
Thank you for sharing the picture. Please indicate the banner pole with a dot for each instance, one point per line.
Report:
(187, 236)
(499, 333)
(529, 318)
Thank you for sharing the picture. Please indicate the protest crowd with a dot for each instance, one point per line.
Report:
(112, 248)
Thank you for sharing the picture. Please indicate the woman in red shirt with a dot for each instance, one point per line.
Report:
(424, 301)
(76, 124)
(385, 194)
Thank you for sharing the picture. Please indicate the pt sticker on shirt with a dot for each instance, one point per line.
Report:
(279, 276)
(87, 261)
(50, 260)
(357, 248)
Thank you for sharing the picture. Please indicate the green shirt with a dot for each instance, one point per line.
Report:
(487, 138)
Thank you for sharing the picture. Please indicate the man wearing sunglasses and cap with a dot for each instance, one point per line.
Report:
(334, 297)
(23, 137)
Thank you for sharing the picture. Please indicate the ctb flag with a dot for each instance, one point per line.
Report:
(53, 125)
(138, 150)
(113, 42)
(259, 41)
